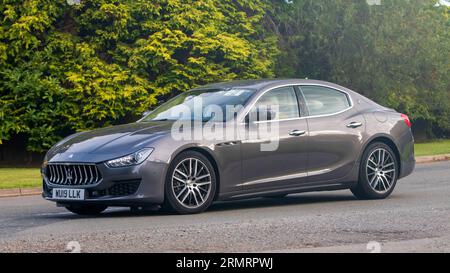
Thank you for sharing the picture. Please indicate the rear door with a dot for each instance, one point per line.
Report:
(335, 133)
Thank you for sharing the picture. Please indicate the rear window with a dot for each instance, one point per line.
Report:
(324, 101)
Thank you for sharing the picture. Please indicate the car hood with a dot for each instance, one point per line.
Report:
(108, 143)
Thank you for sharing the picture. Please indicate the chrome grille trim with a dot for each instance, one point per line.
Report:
(73, 174)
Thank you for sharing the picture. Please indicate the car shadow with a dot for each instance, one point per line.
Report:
(254, 203)
(289, 200)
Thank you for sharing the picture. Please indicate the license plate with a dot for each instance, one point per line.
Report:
(68, 194)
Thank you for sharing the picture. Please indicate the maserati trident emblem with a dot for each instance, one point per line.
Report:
(69, 176)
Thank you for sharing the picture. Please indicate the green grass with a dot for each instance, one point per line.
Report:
(11, 178)
(432, 148)
(30, 177)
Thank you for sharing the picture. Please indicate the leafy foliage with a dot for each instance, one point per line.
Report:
(396, 53)
(66, 68)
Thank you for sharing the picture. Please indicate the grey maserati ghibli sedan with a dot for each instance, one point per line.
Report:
(234, 140)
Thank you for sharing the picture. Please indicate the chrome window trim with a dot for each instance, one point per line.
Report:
(299, 85)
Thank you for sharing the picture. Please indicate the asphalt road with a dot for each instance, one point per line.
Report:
(416, 218)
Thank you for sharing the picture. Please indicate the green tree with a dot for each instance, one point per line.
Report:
(396, 53)
(67, 68)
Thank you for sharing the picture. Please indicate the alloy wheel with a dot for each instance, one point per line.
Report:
(191, 183)
(381, 170)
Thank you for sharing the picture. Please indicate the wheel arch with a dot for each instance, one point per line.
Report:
(389, 141)
(209, 155)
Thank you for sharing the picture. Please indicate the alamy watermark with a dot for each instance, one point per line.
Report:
(73, 247)
(219, 123)
(373, 247)
(73, 2)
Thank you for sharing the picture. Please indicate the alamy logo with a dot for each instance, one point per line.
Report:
(73, 2)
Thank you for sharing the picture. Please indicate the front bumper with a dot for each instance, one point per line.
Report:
(126, 186)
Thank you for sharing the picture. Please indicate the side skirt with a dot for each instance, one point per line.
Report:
(303, 188)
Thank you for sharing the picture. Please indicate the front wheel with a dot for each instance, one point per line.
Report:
(86, 209)
(190, 184)
(378, 172)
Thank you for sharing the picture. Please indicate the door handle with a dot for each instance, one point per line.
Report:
(354, 125)
(297, 133)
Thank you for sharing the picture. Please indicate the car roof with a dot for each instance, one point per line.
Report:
(262, 84)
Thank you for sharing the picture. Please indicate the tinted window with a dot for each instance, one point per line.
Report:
(282, 101)
(207, 99)
(324, 101)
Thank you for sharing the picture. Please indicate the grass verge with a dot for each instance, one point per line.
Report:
(432, 148)
(11, 178)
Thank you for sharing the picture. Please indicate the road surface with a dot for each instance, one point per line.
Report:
(416, 218)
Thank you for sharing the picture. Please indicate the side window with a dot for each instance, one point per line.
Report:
(281, 101)
(324, 101)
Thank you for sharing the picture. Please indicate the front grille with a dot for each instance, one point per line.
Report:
(73, 174)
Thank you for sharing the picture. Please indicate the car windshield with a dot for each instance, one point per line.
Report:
(204, 105)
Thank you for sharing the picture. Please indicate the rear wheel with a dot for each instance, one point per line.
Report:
(378, 172)
(190, 184)
(86, 209)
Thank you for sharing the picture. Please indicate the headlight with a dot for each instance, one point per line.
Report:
(133, 159)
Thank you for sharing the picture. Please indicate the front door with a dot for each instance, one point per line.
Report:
(276, 159)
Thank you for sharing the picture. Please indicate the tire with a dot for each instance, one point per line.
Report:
(189, 191)
(377, 179)
(86, 209)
